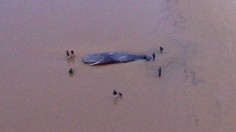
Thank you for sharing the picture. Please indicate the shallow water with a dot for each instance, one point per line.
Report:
(195, 93)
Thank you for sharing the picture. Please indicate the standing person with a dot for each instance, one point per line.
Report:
(115, 94)
(159, 70)
(120, 94)
(161, 49)
(68, 54)
(71, 71)
(72, 53)
(153, 56)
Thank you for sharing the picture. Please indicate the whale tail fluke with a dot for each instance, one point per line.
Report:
(149, 58)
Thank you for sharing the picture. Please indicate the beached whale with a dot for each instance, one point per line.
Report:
(112, 57)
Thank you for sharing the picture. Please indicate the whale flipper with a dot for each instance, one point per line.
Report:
(95, 63)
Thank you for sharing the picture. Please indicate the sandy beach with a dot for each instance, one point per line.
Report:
(196, 92)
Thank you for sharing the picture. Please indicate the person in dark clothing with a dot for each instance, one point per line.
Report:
(71, 71)
(161, 49)
(159, 70)
(153, 56)
(115, 94)
(67, 54)
(72, 54)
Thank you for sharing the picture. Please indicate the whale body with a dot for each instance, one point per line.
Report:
(112, 57)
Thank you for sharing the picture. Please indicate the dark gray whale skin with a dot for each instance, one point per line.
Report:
(112, 57)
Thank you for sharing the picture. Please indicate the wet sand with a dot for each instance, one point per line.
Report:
(196, 92)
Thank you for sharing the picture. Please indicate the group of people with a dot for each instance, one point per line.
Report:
(118, 94)
(70, 56)
(153, 58)
(153, 54)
